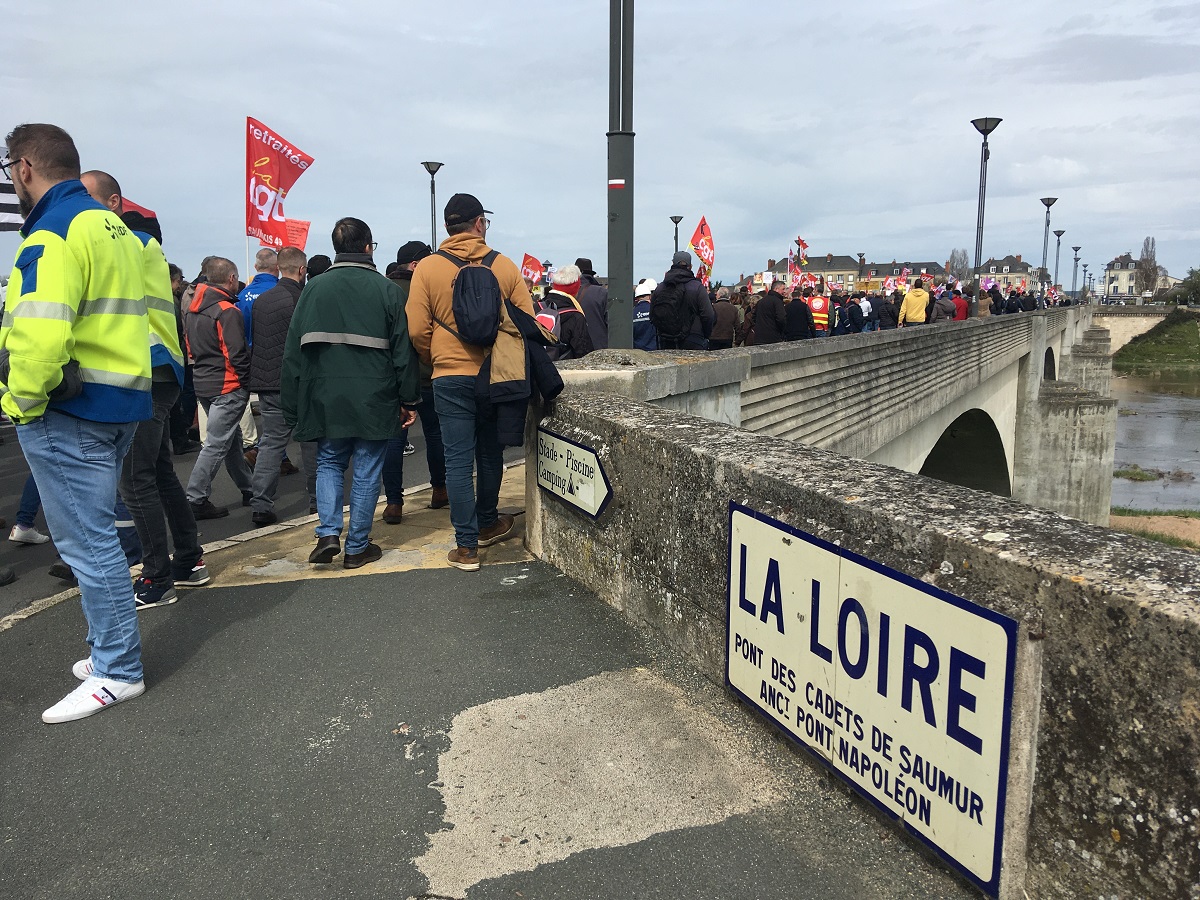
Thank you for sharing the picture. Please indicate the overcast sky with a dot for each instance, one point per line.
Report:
(847, 124)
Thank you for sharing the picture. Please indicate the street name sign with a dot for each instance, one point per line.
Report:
(572, 472)
(903, 689)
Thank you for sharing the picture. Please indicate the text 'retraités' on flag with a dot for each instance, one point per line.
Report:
(10, 213)
(702, 245)
(273, 164)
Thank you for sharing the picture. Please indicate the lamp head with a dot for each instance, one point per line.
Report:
(1059, 233)
(1076, 249)
(1049, 201)
(676, 219)
(431, 167)
(986, 126)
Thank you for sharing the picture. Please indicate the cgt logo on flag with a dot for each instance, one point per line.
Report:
(702, 244)
(532, 269)
(273, 165)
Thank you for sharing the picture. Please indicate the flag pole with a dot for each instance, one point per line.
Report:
(246, 271)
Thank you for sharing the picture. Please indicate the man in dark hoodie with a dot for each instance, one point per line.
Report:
(215, 330)
(593, 300)
(800, 324)
(401, 272)
(682, 290)
(574, 328)
(272, 314)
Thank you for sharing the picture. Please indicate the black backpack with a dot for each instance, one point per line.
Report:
(476, 302)
(670, 313)
(550, 317)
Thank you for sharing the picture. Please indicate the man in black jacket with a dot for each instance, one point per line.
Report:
(800, 324)
(593, 300)
(272, 312)
(574, 326)
(770, 317)
(680, 278)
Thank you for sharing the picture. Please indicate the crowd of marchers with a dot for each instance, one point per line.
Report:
(112, 364)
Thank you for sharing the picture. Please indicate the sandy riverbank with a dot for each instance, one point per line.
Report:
(1176, 526)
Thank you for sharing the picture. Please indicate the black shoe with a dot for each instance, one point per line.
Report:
(264, 518)
(354, 560)
(61, 570)
(247, 496)
(7, 575)
(183, 448)
(327, 548)
(205, 510)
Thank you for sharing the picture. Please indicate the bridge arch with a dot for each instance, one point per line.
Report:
(1048, 366)
(970, 453)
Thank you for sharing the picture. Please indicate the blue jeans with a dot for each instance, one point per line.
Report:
(333, 456)
(435, 452)
(82, 461)
(470, 440)
(30, 501)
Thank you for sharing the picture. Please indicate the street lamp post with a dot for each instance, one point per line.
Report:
(1047, 202)
(676, 220)
(1074, 273)
(432, 168)
(1085, 281)
(985, 127)
(1057, 250)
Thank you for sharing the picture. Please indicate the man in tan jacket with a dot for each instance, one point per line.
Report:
(469, 436)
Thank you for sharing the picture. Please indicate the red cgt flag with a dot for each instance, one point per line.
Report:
(272, 166)
(532, 269)
(702, 244)
(297, 234)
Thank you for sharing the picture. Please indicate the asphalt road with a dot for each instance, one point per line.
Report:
(31, 562)
(335, 738)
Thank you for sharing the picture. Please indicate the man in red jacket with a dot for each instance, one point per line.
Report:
(216, 337)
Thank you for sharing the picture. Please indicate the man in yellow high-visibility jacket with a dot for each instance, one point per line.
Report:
(76, 382)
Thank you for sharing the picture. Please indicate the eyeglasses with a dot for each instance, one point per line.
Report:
(371, 246)
(6, 165)
(487, 223)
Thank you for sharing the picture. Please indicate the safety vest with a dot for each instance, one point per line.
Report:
(820, 311)
(77, 283)
(160, 307)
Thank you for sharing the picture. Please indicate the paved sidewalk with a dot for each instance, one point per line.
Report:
(408, 730)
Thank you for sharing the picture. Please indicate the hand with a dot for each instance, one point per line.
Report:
(408, 417)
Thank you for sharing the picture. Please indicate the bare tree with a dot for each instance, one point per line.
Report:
(959, 266)
(1146, 278)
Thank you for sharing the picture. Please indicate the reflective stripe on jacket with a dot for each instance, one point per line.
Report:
(76, 293)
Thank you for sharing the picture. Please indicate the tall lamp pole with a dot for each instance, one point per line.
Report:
(1085, 281)
(676, 220)
(620, 174)
(1047, 202)
(1057, 250)
(1074, 273)
(432, 168)
(985, 127)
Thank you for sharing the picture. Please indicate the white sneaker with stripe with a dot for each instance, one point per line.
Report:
(94, 695)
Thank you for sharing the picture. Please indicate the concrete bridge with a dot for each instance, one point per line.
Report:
(1014, 405)
(765, 512)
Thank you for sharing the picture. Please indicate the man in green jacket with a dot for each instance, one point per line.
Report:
(350, 382)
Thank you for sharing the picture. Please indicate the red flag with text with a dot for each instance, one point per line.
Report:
(702, 245)
(532, 269)
(272, 166)
(297, 234)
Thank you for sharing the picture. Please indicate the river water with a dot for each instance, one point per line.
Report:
(1158, 428)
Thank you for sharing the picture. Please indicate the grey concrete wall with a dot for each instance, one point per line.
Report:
(1109, 697)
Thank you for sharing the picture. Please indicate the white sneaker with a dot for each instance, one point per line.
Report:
(22, 535)
(82, 669)
(94, 695)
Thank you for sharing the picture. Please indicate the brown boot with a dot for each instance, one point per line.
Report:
(465, 558)
(440, 499)
(393, 513)
(501, 531)
(251, 456)
(286, 468)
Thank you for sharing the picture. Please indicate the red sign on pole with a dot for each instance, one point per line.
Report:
(297, 234)
(272, 166)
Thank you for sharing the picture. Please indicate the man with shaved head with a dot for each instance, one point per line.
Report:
(149, 485)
